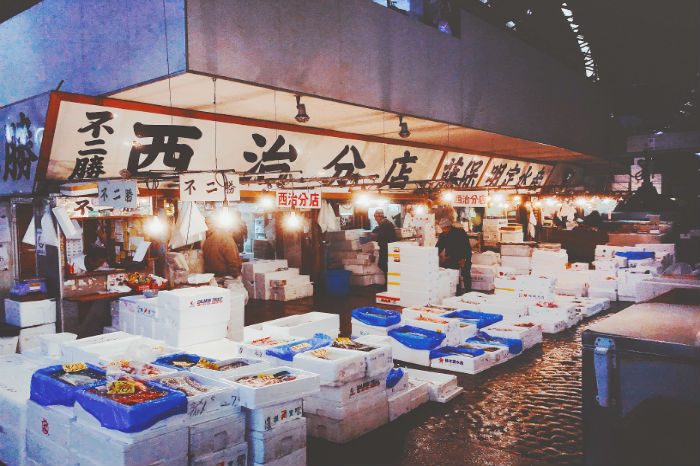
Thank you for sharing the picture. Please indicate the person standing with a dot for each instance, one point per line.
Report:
(455, 251)
(220, 251)
(384, 233)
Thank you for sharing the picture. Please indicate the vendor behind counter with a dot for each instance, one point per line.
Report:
(221, 255)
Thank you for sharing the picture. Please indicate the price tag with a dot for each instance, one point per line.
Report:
(320, 353)
(74, 367)
(157, 348)
(265, 376)
(182, 363)
(205, 363)
(120, 362)
(300, 346)
(121, 387)
(343, 340)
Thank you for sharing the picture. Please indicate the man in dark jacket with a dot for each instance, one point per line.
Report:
(384, 233)
(454, 243)
(220, 252)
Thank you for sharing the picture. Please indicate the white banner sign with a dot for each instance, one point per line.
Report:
(462, 169)
(471, 199)
(307, 199)
(122, 194)
(201, 187)
(503, 172)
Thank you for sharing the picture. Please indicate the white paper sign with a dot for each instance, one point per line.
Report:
(471, 199)
(299, 199)
(141, 251)
(202, 187)
(118, 193)
(4, 229)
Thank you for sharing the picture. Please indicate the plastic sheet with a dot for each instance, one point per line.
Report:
(514, 346)
(288, 351)
(394, 376)
(636, 255)
(447, 351)
(54, 386)
(417, 338)
(376, 317)
(135, 417)
(181, 361)
(483, 318)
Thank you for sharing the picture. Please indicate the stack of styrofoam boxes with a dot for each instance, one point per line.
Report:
(351, 405)
(470, 301)
(346, 252)
(250, 269)
(97, 439)
(373, 321)
(393, 284)
(188, 316)
(511, 233)
(517, 256)
(484, 270)
(585, 307)
(574, 281)
(528, 333)
(535, 287)
(128, 310)
(430, 319)
(34, 318)
(603, 280)
(215, 423)
(288, 289)
(553, 316)
(501, 349)
(546, 263)
(237, 319)
(424, 229)
(276, 430)
(404, 395)
(663, 253)
(445, 285)
(491, 229)
(303, 325)
(441, 387)
(509, 306)
(263, 281)
(419, 274)
(16, 370)
(92, 349)
(414, 344)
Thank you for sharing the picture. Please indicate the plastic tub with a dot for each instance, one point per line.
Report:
(338, 282)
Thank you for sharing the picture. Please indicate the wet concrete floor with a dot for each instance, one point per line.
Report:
(526, 411)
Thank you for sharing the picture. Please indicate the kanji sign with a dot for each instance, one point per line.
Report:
(306, 199)
(118, 193)
(202, 187)
(471, 199)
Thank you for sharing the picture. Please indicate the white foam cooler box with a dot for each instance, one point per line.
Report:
(304, 325)
(373, 321)
(449, 327)
(335, 366)
(234, 455)
(376, 350)
(272, 416)
(30, 313)
(166, 442)
(387, 298)
(415, 394)
(234, 367)
(270, 445)
(413, 344)
(441, 387)
(194, 306)
(360, 388)
(217, 434)
(341, 424)
(509, 307)
(557, 310)
(219, 399)
(549, 324)
(42, 451)
(16, 370)
(29, 337)
(257, 347)
(496, 353)
(75, 350)
(461, 359)
(529, 334)
(289, 384)
(51, 422)
(295, 458)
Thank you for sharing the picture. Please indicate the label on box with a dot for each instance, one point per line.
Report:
(207, 364)
(300, 346)
(121, 387)
(74, 367)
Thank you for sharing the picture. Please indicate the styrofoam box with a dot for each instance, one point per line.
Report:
(15, 383)
(334, 365)
(29, 336)
(216, 435)
(51, 344)
(564, 310)
(380, 360)
(504, 285)
(233, 455)
(400, 386)
(220, 349)
(305, 383)
(351, 427)
(530, 336)
(450, 328)
(8, 345)
(463, 363)
(266, 446)
(498, 354)
(415, 394)
(295, 458)
(30, 313)
(166, 439)
(412, 296)
(548, 324)
(52, 422)
(441, 387)
(602, 293)
(69, 348)
(127, 312)
(360, 329)
(194, 306)
(187, 336)
(342, 410)
(387, 298)
(509, 308)
(253, 366)
(253, 332)
(411, 355)
(414, 312)
(486, 258)
(220, 399)
(249, 269)
(304, 325)
(46, 452)
(110, 350)
(515, 249)
(257, 348)
(13, 447)
(364, 387)
(517, 262)
(274, 415)
(262, 281)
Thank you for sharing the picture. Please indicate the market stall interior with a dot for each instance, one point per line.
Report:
(288, 233)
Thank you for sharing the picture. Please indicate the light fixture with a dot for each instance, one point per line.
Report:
(403, 132)
(155, 226)
(510, 25)
(292, 221)
(658, 132)
(580, 201)
(362, 200)
(448, 196)
(498, 198)
(420, 209)
(266, 202)
(302, 116)
(224, 219)
(517, 200)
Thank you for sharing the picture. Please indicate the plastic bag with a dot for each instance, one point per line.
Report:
(679, 268)
(447, 351)
(288, 351)
(327, 219)
(376, 317)
(417, 338)
(394, 376)
(53, 385)
(514, 346)
(484, 318)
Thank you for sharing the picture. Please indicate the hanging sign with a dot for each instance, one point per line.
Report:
(516, 173)
(119, 193)
(201, 187)
(88, 206)
(463, 170)
(299, 199)
(471, 199)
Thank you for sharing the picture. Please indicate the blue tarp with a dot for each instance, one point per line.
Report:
(48, 390)
(417, 338)
(514, 346)
(448, 351)
(376, 317)
(484, 318)
(288, 351)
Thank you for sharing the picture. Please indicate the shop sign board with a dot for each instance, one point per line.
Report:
(90, 206)
(463, 170)
(516, 173)
(471, 199)
(298, 199)
(118, 193)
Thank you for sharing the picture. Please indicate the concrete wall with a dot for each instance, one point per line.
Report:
(362, 53)
(95, 46)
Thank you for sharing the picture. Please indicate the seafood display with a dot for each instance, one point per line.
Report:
(185, 384)
(263, 380)
(128, 391)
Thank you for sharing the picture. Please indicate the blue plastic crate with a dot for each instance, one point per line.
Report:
(483, 318)
(46, 389)
(376, 317)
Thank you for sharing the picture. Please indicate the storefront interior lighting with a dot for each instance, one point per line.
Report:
(266, 202)
(403, 132)
(292, 221)
(362, 200)
(517, 200)
(448, 196)
(498, 198)
(155, 227)
(224, 219)
(302, 116)
(420, 209)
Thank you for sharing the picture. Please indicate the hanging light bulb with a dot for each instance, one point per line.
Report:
(302, 116)
(403, 132)
(292, 221)
(224, 219)
(266, 202)
(420, 209)
(155, 226)
(448, 196)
